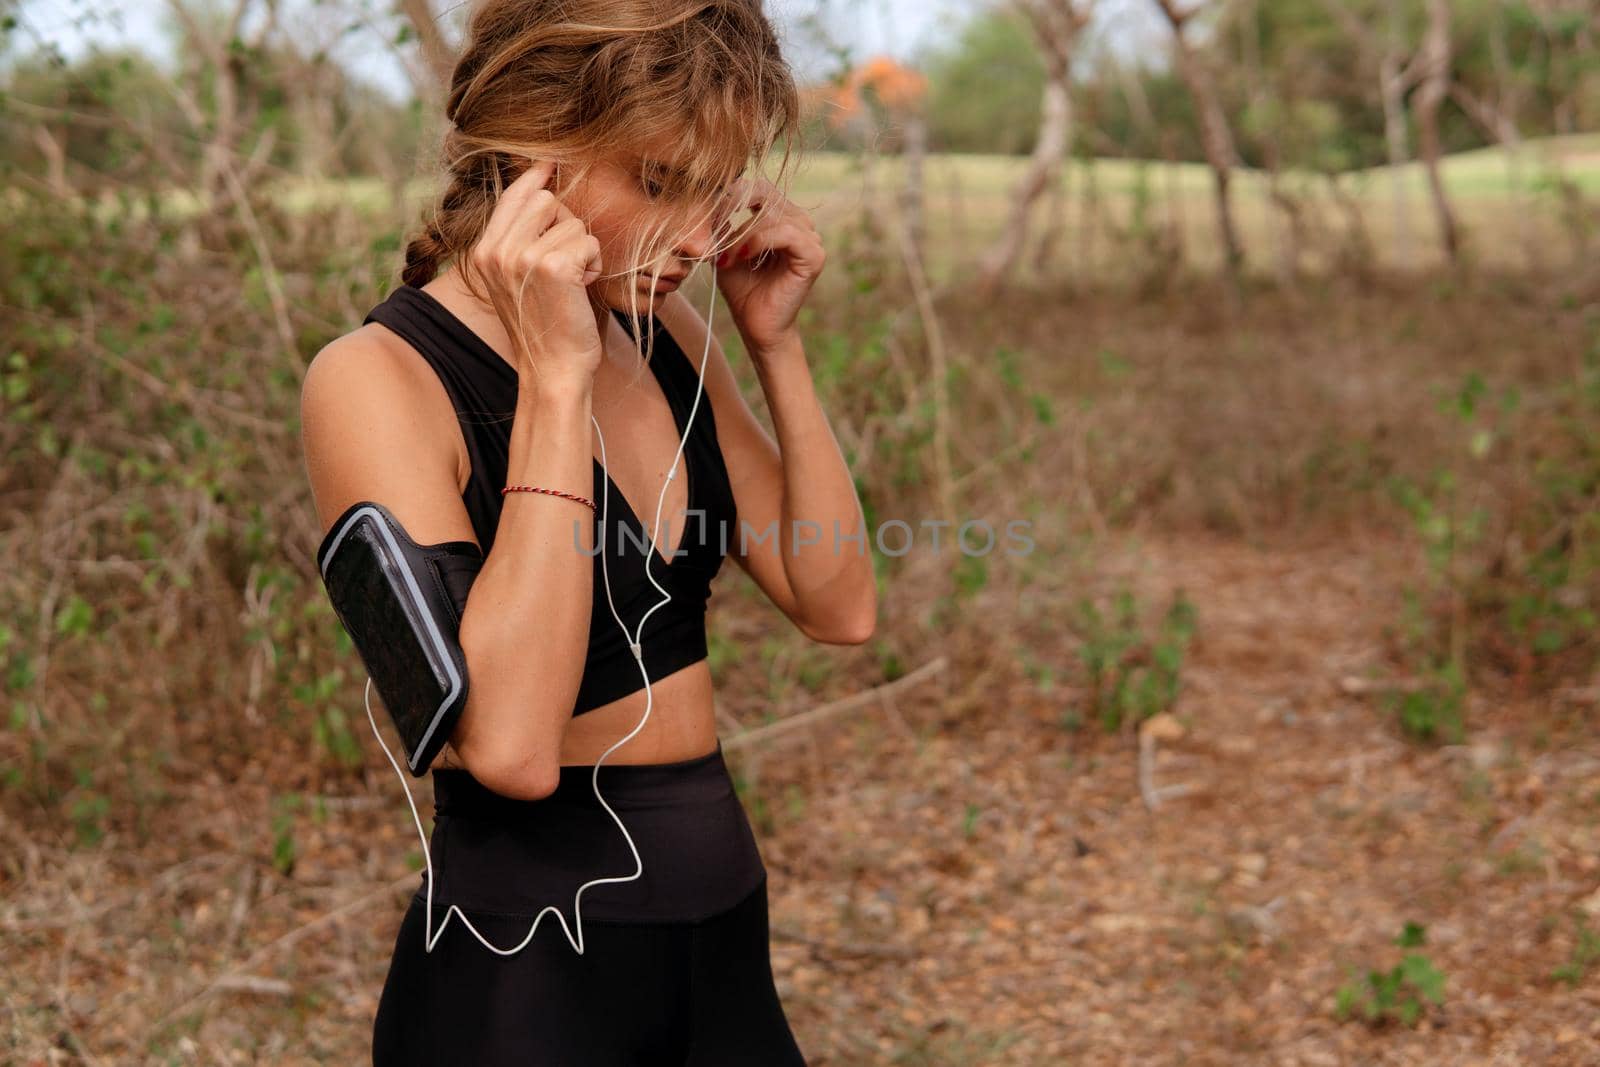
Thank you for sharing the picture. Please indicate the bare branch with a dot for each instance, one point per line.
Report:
(437, 53)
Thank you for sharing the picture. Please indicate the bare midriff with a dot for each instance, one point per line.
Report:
(682, 725)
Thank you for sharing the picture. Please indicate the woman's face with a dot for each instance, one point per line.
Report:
(617, 201)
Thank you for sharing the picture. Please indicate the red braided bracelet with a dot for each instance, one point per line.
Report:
(552, 492)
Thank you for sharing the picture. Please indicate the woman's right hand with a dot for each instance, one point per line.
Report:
(537, 259)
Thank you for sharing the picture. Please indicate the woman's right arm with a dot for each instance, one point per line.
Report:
(364, 409)
(525, 629)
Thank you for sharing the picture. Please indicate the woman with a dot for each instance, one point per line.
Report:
(596, 153)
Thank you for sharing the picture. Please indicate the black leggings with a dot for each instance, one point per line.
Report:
(675, 968)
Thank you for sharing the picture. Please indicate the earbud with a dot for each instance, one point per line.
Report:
(430, 937)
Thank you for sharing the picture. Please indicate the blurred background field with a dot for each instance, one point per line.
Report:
(1278, 747)
(1520, 218)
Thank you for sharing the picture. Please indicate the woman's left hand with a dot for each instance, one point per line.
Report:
(767, 277)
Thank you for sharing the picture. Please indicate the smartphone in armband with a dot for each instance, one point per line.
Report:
(401, 603)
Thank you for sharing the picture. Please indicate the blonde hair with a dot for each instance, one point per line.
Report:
(570, 80)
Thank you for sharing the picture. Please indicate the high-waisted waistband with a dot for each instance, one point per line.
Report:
(494, 854)
(697, 779)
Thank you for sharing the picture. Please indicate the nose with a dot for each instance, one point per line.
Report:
(700, 241)
(715, 227)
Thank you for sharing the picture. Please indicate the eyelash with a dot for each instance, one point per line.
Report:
(653, 189)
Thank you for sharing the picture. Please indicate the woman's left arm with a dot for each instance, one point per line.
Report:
(801, 532)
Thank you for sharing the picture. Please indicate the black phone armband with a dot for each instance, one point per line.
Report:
(401, 603)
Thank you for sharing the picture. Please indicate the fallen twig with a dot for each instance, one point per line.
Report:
(254, 983)
(1157, 728)
(815, 715)
(1358, 686)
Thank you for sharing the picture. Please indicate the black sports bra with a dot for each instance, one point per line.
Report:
(483, 389)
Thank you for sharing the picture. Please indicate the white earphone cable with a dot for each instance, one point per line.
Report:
(430, 936)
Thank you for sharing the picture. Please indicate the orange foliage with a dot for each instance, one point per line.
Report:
(900, 89)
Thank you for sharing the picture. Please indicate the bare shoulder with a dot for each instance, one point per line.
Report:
(377, 424)
(372, 354)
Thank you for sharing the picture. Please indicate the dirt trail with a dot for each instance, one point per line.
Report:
(1058, 920)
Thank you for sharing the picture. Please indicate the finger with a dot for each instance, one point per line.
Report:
(519, 224)
(754, 189)
(721, 222)
(514, 197)
(734, 199)
(562, 211)
(593, 267)
(517, 194)
(756, 192)
(800, 245)
(545, 211)
(769, 206)
(569, 250)
(561, 239)
(753, 231)
(535, 177)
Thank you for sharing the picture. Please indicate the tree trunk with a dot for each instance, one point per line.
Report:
(1043, 169)
(1392, 91)
(437, 54)
(1430, 94)
(1395, 78)
(1056, 25)
(915, 153)
(1055, 218)
(55, 161)
(1215, 134)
